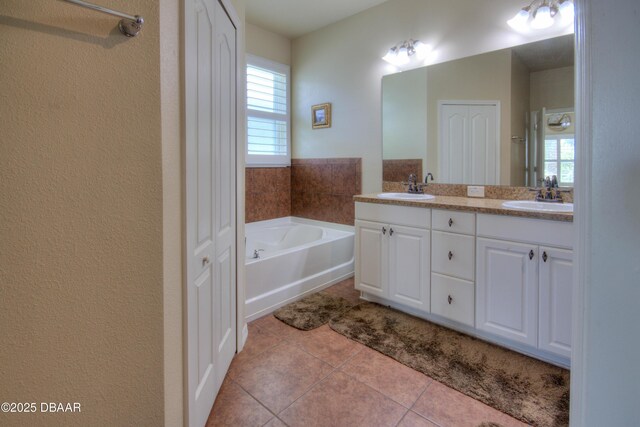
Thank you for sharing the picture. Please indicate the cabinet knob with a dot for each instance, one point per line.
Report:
(384, 230)
(391, 232)
(544, 256)
(450, 299)
(450, 255)
(450, 222)
(205, 260)
(531, 254)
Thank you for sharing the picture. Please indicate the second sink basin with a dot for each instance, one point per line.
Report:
(405, 196)
(532, 205)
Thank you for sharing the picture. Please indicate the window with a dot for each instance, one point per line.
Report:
(268, 113)
(559, 158)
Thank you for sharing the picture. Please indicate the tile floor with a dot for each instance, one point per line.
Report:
(288, 377)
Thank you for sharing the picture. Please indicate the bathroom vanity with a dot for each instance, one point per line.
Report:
(470, 264)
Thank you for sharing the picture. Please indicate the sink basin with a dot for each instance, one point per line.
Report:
(405, 196)
(531, 205)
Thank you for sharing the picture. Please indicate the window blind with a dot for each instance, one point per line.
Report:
(267, 113)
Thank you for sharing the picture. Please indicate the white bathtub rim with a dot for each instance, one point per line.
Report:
(342, 232)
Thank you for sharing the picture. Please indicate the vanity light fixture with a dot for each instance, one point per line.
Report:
(402, 53)
(541, 14)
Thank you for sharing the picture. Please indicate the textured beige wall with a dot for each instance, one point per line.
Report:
(485, 77)
(266, 44)
(552, 88)
(81, 214)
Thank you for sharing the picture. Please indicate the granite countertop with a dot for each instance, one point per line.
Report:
(468, 204)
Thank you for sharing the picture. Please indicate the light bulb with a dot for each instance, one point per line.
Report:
(519, 22)
(390, 57)
(567, 12)
(542, 18)
(403, 56)
(422, 50)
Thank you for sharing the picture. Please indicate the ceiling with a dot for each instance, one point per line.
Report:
(293, 18)
(547, 54)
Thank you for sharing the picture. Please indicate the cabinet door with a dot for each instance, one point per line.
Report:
(556, 284)
(507, 290)
(409, 260)
(371, 257)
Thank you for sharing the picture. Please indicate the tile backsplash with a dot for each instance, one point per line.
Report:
(399, 170)
(320, 189)
(267, 193)
(323, 189)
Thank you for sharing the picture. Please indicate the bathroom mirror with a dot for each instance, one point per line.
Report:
(498, 118)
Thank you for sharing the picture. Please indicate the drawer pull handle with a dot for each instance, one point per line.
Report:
(450, 255)
(531, 254)
(449, 299)
(544, 256)
(391, 232)
(384, 230)
(450, 222)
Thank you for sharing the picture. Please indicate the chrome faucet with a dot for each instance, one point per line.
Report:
(426, 178)
(549, 192)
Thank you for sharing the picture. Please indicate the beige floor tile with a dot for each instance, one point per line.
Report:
(328, 345)
(258, 341)
(280, 375)
(234, 407)
(389, 377)
(277, 328)
(450, 408)
(411, 419)
(275, 422)
(340, 400)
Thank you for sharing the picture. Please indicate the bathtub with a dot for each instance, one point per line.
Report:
(288, 258)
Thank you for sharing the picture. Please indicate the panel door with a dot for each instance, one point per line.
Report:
(454, 144)
(210, 126)
(371, 253)
(469, 143)
(409, 266)
(225, 191)
(556, 285)
(484, 163)
(507, 290)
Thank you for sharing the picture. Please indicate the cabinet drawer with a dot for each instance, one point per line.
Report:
(453, 255)
(393, 214)
(455, 222)
(452, 298)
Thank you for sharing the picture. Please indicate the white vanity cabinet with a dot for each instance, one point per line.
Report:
(524, 281)
(392, 253)
(453, 265)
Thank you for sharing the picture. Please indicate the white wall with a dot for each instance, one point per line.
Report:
(266, 44)
(342, 64)
(606, 372)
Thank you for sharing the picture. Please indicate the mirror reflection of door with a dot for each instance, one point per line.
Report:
(469, 142)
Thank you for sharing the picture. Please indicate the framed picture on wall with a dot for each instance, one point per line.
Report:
(321, 116)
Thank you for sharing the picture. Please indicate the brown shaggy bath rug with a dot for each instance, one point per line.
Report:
(527, 389)
(313, 311)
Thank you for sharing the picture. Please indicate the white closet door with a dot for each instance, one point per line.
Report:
(469, 146)
(210, 94)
